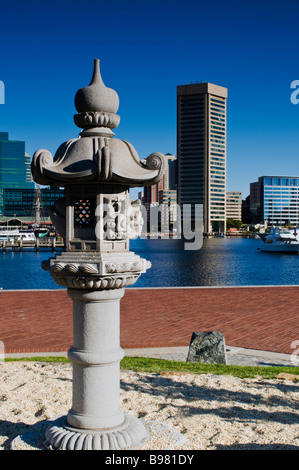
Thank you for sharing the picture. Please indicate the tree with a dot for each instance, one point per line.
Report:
(233, 223)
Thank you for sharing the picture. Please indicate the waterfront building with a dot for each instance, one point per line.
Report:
(234, 205)
(163, 194)
(14, 166)
(151, 194)
(246, 219)
(201, 150)
(255, 202)
(279, 200)
(171, 173)
(141, 196)
(168, 204)
(28, 168)
(19, 202)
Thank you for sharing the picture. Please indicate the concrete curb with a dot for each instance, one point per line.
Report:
(235, 355)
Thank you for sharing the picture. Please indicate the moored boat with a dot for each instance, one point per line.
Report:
(12, 234)
(280, 240)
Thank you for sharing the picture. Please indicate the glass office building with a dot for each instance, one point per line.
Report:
(201, 150)
(280, 200)
(21, 202)
(14, 166)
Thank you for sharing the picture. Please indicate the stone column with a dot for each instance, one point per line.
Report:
(96, 420)
(96, 354)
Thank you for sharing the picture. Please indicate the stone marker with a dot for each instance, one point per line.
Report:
(208, 347)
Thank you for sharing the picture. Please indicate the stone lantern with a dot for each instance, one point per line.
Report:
(96, 219)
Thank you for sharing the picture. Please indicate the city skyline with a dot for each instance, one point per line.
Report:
(146, 49)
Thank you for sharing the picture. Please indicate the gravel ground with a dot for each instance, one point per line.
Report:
(209, 412)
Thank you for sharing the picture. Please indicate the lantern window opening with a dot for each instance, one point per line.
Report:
(84, 213)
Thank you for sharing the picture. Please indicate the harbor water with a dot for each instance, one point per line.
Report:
(220, 262)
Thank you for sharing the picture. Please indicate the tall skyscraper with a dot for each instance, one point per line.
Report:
(201, 150)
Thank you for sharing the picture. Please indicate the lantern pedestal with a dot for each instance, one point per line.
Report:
(131, 435)
(96, 420)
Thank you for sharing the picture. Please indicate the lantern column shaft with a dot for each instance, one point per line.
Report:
(96, 354)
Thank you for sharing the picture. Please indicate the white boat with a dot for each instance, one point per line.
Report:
(10, 235)
(281, 240)
(27, 235)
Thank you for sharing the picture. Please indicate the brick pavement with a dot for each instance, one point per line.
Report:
(263, 318)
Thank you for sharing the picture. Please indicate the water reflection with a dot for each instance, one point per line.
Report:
(220, 262)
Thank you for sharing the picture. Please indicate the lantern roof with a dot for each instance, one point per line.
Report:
(95, 155)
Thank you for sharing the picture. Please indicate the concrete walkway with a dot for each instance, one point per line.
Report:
(235, 356)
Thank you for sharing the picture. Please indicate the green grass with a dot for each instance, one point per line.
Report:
(141, 364)
(37, 359)
(158, 366)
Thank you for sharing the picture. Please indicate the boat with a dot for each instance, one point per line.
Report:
(13, 234)
(281, 240)
(41, 232)
(26, 235)
(262, 235)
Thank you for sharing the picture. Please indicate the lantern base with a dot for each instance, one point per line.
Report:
(132, 434)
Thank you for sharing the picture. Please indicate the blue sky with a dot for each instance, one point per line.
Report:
(146, 49)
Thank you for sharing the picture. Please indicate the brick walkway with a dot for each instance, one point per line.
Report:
(263, 318)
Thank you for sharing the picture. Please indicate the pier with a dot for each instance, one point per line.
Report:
(19, 245)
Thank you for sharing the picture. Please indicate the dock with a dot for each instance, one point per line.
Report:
(19, 245)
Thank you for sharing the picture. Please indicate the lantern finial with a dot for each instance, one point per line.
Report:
(96, 97)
